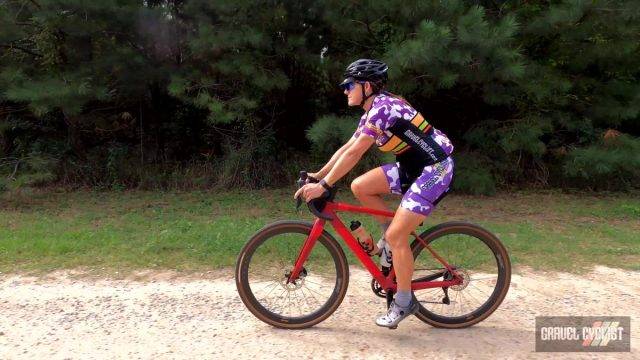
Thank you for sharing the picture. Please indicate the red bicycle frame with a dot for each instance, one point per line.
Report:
(387, 282)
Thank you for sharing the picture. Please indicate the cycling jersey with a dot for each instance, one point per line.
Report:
(424, 168)
(399, 128)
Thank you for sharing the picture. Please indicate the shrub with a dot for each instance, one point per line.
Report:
(472, 175)
(610, 164)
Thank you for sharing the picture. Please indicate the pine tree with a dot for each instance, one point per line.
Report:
(94, 92)
(76, 70)
(583, 78)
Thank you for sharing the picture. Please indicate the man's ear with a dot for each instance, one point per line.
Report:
(368, 89)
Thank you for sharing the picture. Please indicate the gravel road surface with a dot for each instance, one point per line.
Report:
(165, 315)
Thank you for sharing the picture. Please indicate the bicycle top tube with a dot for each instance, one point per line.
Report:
(338, 206)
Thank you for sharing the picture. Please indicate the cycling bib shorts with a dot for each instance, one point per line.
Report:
(424, 191)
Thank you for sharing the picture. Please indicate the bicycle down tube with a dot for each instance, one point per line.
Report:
(386, 282)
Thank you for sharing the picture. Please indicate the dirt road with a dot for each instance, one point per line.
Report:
(164, 315)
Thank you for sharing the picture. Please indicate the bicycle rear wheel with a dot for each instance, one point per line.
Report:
(264, 265)
(482, 261)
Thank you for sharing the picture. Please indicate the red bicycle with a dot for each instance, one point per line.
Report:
(294, 274)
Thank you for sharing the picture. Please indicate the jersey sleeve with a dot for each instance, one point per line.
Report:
(359, 128)
(377, 121)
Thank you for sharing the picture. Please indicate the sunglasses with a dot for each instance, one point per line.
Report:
(348, 86)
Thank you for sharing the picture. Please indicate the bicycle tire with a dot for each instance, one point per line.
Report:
(502, 283)
(279, 320)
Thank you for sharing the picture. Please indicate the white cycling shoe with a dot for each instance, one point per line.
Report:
(395, 314)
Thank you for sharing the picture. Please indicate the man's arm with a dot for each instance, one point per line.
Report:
(349, 158)
(325, 169)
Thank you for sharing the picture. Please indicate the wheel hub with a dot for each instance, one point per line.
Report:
(295, 284)
(464, 274)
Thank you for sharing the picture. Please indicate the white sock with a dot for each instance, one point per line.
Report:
(403, 298)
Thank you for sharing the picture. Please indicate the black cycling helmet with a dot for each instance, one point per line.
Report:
(374, 71)
(367, 70)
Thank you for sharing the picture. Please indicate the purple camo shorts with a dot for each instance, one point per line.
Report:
(426, 189)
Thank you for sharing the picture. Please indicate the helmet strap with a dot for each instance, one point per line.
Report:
(365, 97)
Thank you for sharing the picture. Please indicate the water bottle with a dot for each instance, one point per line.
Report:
(364, 238)
(385, 253)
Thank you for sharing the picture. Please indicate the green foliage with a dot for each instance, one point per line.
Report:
(250, 164)
(32, 170)
(457, 50)
(111, 91)
(611, 165)
(584, 70)
(329, 133)
(473, 176)
(68, 93)
(631, 210)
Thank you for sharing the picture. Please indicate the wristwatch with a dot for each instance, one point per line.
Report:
(325, 185)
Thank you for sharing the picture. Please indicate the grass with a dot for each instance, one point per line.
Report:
(195, 231)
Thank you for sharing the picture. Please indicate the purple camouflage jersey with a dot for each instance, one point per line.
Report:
(399, 128)
(384, 113)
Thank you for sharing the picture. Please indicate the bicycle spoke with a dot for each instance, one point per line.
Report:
(306, 300)
(311, 294)
(297, 301)
(308, 288)
(272, 286)
(467, 254)
(485, 278)
(272, 258)
(289, 301)
(480, 293)
(464, 296)
(463, 303)
(316, 283)
(474, 298)
(455, 302)
(477, 288)
(281, 299)
(303, 304)
(264, 281)
(272, 289)
(318, 292)
(432, 291)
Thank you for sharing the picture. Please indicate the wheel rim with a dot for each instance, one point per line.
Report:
(478, 265)
(269, 266)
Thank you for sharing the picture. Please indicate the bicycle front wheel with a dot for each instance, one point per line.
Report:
(482, 261)
(264, 265)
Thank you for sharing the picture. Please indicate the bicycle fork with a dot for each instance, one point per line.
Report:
(318, 225)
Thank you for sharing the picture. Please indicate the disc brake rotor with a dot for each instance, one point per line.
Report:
(465, 280)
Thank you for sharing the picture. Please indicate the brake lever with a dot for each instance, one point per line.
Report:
(301, 181)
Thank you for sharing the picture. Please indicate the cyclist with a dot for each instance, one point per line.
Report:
(422, 172)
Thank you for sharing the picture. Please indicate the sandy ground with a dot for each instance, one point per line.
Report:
(165, 315)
